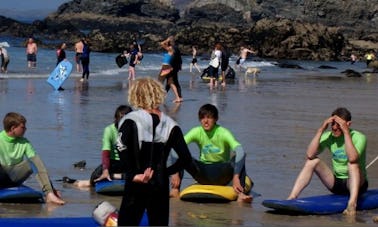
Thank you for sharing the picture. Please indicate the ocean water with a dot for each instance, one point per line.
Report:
(274, 116)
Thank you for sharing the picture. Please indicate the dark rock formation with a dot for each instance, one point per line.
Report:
(307, 29)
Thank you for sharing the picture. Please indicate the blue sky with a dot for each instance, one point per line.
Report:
(29, 9)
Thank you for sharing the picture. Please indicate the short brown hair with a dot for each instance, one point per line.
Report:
(12, 119)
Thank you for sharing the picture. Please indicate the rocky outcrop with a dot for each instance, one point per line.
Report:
(308, 29)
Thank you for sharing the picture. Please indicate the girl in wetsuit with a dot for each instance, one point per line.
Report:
(146, 137)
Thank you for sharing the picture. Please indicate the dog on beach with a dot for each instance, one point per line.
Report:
(252, 70)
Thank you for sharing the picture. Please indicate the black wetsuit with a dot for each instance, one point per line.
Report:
(145, 141)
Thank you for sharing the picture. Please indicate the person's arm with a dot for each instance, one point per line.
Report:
(350, 148)
(313, 147)
(177, 142)
(42, 174)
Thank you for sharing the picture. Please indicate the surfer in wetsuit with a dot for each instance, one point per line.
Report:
(348, 149)
(222, 158)
(16, 156)
(146, 137)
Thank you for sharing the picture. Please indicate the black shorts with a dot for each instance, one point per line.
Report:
(340, 187)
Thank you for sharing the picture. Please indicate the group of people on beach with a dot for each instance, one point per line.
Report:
(137, 145)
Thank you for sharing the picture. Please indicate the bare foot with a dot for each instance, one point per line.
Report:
(350, 210)
(54, 197)
(174, 193)
(244, 198)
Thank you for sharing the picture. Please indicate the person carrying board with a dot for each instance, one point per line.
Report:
(348, 147)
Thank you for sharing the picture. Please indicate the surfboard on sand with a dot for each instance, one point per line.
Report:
(61, 72)
(322, 204)
(21, 194)
(121, 60)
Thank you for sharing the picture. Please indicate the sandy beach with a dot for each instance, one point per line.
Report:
(274, 116)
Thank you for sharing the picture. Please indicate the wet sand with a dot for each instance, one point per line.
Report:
(273, 116)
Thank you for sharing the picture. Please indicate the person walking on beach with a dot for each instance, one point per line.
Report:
(110, 167)
(60, 56)
(31, 53)
(348, 147)
(243, 56)
(222, 157)
(133, 60)
(16, 156)
(194, 60)
(78, 52)
(4, 59)
(170, 68)
(85, 59)
(146, 137)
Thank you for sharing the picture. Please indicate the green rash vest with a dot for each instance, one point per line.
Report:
(13, 150)
(216, 145)
(336, 146)
(109, 141)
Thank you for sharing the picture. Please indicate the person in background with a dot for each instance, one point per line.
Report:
(194, 60)
(369, 57)
(16, 156)
(133, 56)
(78, 52)
(60, 56)
(225, 60)
(4, 59)
(146, 137)
(348, 147)
(222, 157)
(111, 167)
(215, 61)
(243, 56)
(170, 67)
(85, 59)
(31, 53)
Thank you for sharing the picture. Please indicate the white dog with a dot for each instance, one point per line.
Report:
(252, 70)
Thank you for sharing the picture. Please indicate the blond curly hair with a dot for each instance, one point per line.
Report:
(146, 93)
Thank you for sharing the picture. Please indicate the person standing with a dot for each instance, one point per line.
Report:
(170, 67)
(194, 60)
(215, 61)
(146, 137)
(31, 53)
(60, 56)
(85, 59)
(4, 59)
(133, 56)
(78, 52)
(16, 156)
(348, 148)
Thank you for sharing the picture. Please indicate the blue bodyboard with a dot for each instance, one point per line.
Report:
(61, 72)
(58, 222)
(322, 204)
(20, 194)
(114, 187)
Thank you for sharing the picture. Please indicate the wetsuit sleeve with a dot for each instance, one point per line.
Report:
(177, 142)
(42, 175)
(239, 159)
(129, 149)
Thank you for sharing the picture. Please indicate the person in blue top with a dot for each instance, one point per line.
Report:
(348, 149)
(85, 59)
